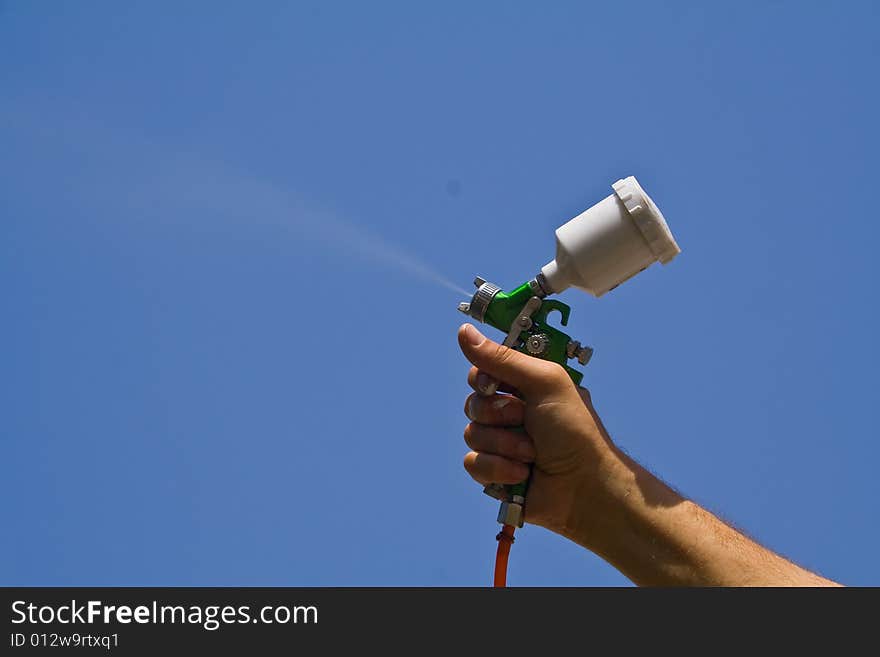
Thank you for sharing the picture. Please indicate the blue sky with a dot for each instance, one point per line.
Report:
(226, 356)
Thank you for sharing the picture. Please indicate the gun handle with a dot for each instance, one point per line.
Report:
(512, 497)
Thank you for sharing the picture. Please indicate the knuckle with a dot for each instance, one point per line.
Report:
(502, 354)
(507, 409)
(472, 378)
(469, 431)
(470, 407)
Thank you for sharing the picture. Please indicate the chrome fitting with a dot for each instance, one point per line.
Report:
(482, 298)
(583, 353)
(497, 491)
(510, 513)
(539, 286)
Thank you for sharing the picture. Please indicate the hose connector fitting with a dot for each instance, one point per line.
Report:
(511, 513)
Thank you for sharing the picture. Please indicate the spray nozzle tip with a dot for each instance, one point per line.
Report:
(464, 307)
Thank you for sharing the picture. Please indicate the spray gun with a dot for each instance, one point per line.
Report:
(596, 251)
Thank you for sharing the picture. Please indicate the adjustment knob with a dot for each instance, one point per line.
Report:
(538, 344)
(575, 350)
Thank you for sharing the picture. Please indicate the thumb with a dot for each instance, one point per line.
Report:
(526, 373)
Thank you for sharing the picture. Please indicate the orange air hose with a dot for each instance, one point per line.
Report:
(505, 540)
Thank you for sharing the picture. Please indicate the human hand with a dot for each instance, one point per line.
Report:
(572, 454)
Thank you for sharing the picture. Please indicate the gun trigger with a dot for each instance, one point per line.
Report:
(523, 321)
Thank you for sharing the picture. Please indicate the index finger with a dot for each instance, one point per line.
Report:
(475, 381)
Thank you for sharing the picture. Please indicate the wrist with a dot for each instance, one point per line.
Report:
(602, 492)
(613, 505)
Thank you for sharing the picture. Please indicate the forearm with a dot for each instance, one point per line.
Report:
(586, 489)
(656, 537)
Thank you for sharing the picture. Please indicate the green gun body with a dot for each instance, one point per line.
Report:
(522, 314)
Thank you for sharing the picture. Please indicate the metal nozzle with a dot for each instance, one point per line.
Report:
(477, 306)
